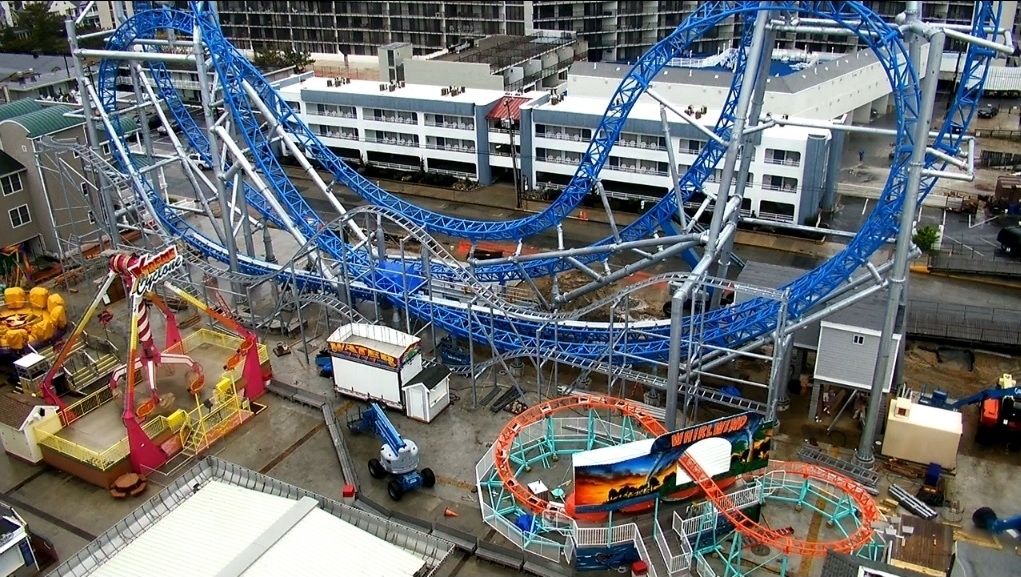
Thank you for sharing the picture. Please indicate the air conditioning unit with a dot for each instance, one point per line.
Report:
(382, 87)
(400, 84)
(329, 83)
(444, 91)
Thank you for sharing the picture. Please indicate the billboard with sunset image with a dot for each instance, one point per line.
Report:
(625, 475)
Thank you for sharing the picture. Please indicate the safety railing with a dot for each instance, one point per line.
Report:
(220, 339)
(100, 460)
(88, 404)
(686, 550)
(531, 541)
(675, 563)
(569, 549)
(214, 424)
(702, 567)
(643, 554)
(593, 536)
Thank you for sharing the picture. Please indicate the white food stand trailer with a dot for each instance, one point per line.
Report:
(378, 363)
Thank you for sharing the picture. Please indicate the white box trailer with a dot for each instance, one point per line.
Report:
(371, 361)
(923, 434)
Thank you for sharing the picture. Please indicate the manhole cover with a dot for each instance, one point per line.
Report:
(760, 550)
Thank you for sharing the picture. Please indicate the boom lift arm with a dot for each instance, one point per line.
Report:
(398, 457)
(375, 418)
(940, 400)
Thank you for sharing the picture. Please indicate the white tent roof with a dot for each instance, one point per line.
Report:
(223, 530)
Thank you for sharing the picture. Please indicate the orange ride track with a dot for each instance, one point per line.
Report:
(866, 506)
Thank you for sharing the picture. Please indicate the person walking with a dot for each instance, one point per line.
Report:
(861, 155)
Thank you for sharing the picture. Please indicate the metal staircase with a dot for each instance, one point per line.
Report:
(93, 372)
(866, 477)
(708, 395)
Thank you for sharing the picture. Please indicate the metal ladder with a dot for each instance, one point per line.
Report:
(864, 476)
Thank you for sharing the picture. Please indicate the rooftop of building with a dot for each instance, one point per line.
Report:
(501, 51)
(649, 110)
(783, 78)
(220, 518)
(476, 96)
(25, 71)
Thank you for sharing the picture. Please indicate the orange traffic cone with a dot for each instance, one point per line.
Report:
(448, 512)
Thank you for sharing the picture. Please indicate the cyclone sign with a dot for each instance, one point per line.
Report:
(151, 270)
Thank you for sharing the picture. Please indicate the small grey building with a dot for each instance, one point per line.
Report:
(846, 342)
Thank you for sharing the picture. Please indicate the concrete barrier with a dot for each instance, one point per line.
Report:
(515, 559)
(462, 540)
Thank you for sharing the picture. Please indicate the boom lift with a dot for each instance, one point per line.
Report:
(1000, 418)
(398, 457)
(985, 518)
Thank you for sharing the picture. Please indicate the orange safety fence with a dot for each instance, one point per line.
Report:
(869, 512)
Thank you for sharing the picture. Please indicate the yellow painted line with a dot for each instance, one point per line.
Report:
(455, 483)
(344, 408)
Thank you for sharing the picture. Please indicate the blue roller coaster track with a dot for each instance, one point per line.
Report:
(507, 329)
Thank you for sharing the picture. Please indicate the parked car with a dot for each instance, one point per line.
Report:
(1010, 240)
(989, 111)
(199, 161)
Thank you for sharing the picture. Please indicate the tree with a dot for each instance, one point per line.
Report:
(926, 237)
(35, 29)
(269, 59)
(273, 59)
(299, 60)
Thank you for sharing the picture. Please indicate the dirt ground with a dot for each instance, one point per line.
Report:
(644, 304)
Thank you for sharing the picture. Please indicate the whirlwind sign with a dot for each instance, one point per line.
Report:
(154, 269)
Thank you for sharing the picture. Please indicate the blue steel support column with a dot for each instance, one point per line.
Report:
(829, 193)
(899, 275)
(483, 167)
(527, 156)
(719, 208)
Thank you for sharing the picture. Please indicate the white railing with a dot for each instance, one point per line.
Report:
(780, 188)
(643, 554)
(453, 148)
(741, 499)
(776, 217)
(703, 568)
(784, 162)
(540, 546)
(569, 549)
(601, 536)
(410, 143)
(640, 145)
(686, 550)
(674, 563)
(451, 125)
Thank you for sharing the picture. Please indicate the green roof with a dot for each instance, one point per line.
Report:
(47, 120)
(129, 125)
(8, 164)
(17, 108)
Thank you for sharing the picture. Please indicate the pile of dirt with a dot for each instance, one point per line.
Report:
(928, 366)
(645, 304)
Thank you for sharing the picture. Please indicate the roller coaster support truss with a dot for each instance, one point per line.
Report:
(490, 317)
(899, 274)
(717, 238)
